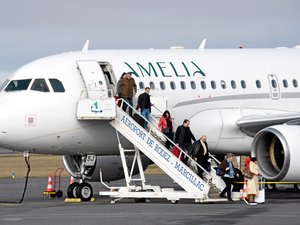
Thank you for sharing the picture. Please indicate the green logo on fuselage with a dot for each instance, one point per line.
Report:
(165, 69)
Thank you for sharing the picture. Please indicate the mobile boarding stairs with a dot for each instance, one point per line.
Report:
(149, 142)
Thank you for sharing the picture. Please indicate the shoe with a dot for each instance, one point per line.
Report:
(246, 201)
(222, 196)
(230, 200)
(253, 203)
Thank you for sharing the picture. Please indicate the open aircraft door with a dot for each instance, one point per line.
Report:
(93, 78)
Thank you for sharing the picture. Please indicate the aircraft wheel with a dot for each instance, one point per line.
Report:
(140, 200)
(84, 191)
(271, 187)
(71, 192)
(297, 187)
(59, 194)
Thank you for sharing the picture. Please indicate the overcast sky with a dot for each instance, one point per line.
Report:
(34, 28)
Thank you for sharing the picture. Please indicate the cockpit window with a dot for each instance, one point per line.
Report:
(57, 85)
(18, 85)
(39, 85)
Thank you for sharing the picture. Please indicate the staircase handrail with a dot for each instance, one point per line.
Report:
(156, 128)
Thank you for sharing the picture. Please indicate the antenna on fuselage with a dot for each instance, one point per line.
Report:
(86, 46)
(202, 45)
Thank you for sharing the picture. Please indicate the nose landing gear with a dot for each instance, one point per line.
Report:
(84, 191)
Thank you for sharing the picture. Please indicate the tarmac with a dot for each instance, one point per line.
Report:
(281, 207)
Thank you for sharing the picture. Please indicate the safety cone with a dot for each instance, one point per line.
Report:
(49, 185)
(245, 192)
(72, 180)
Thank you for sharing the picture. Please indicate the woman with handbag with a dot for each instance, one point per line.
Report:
(252, 183)
(166, 127)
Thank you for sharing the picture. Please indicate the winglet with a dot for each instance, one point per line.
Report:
(86, 46)
(202, 45)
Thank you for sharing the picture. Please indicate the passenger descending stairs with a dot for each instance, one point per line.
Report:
(193, 186)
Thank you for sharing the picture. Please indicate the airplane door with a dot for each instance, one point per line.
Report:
(93, 78)
(274, 86)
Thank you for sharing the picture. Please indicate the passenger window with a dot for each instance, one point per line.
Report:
(203, 84)
(285, 83)
(233, 84)
(182, 84)
(243, 84)
(152, 85)
(258, 84)
(193, 85)
(18, 85)
(39, 85)
(223, 84)
(274, 83)
(57, 85)
(172, 85)
(213, 84)
(162, 85)
(295, 83)
(142, 86)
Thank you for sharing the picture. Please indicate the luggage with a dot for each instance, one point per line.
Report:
(140, 120)
(176, 151)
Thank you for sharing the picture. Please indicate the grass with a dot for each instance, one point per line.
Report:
(41, 166)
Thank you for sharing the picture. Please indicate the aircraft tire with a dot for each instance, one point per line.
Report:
(71, 192)
(84, 191)
(271, 187)
(297, 187)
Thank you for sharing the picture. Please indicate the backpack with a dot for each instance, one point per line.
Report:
(220, 171)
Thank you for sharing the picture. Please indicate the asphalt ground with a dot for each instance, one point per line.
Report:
(281, 207)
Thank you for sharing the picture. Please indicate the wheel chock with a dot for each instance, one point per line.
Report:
(72, 200)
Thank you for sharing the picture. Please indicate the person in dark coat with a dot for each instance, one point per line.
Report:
(184, 137)
(200, 153)
(144, 104)
(128, 90)
(119, 94)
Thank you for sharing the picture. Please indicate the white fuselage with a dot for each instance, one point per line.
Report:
(212, 88)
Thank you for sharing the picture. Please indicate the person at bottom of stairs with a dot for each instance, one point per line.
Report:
(252, 184)
(228, 175)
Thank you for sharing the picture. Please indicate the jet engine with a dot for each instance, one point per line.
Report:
(277, 149)
(111, 167)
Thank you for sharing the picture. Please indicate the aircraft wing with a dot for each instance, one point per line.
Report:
(254, 123)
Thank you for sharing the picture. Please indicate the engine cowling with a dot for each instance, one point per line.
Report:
(277, 149)
(111, 166)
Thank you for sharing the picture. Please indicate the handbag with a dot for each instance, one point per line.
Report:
(247, 173)
(192, 164)
(166, 130)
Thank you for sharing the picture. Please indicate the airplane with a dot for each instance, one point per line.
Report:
(244, 100)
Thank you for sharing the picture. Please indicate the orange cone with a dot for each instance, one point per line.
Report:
(49, 185)
(72, 180)
(245, 191)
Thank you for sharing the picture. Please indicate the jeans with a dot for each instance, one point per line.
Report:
(146, 114)
(128, 100)
(228, 181)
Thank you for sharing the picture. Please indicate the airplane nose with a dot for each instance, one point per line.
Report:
(3, 122)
